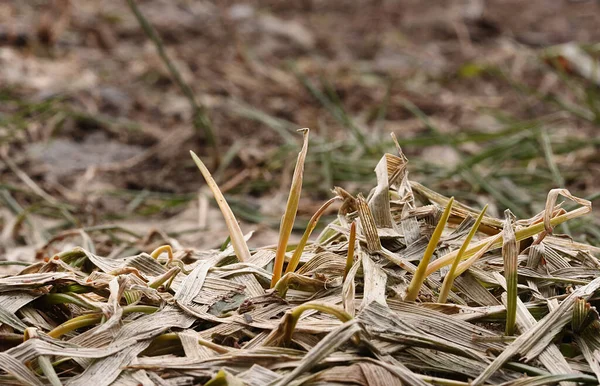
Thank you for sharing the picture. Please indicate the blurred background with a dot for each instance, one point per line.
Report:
(492, 101)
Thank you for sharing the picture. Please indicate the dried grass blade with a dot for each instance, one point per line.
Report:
(11, 319)
(420, 274)
(551, 357)
(259, 376)
(510, 253)
(327, 345)
(287, 222)
(349, 288)
(48, 370)
(543, 380)
(450, 276)
(397, 368)
(367, 222)
(104, 371)
(589, 344)
(375, 281)
(379, 203)
(18, 370)
(551, 201)
(235, 233)
(539, 336)
(293, 264)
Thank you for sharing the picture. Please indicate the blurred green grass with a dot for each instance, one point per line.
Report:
(512, 166)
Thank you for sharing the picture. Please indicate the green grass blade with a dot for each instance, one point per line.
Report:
(293, 264)
(420, 274)
(287, 222)
(450, 276)
(350, 255)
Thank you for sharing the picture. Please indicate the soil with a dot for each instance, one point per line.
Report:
(89, 106)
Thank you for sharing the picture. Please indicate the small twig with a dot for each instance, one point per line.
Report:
(201, 118)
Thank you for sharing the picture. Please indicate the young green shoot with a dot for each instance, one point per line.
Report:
(420, 274)
(521, 234)
(295, 260)
(86, 320)
(237, 237)
(287, 221)
(351, 243)
(463, 266)
(296, 313)
(451, 275)
(160, 250)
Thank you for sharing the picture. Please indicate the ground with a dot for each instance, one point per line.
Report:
(487, 99)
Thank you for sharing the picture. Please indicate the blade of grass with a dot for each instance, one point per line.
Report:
(420, 275)
(450, 276)
(351, 244)
(43, 361)
(296, 313)
(367, 223)
(293, 264)
(510, 253)
(521, 234)
(237, 237)
(287, 221)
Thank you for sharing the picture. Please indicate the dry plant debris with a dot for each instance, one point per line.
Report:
(361, 305)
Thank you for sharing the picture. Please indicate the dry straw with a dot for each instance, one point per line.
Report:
(356, 307)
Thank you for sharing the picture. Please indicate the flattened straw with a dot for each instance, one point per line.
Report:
(293, 264)
(367, 222)
(237, 237)
(510, 254)
(287, 221)
(451, 275)
(43, 360)
(420, 274)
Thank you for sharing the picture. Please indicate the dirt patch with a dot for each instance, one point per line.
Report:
(84, 88)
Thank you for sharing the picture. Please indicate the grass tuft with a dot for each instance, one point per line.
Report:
(287, 221)
(419, 277)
